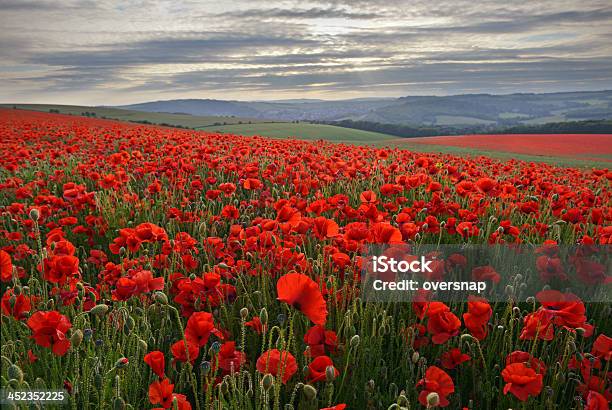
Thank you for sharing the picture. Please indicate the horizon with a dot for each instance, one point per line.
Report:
(303, 99)
(315, 49)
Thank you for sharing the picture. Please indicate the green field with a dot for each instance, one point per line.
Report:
(303, 130)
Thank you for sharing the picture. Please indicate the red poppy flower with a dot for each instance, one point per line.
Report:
(125, 288)
(301, 292)
(6, 267)
(565, 309)
(199, 328)
(596, 401)
(482, 273)
(160, 392)
(453, 358)
(477, 317)
(256, 325)
(368, 197)
(522, 381)
(15, 305)
(59, 268)
(275, 362)
(340, 406)
(467, 229)
(602, 347)
(49, 330)
(519, 356)
(324, 228)
(486, 184)
(442, 326)
(318, 339)
(230, 359)
(437, 381)
(157, 362)
(538, 324)
(146, 282)
(180, 353)
(318, 367)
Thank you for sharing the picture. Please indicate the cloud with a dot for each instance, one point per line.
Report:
(310, 13)
(125, 50)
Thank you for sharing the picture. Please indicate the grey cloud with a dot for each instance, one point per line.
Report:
(296, 13)
(459, 46)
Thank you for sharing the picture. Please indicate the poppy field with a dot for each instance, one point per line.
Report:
(576, 146)
(148, 267)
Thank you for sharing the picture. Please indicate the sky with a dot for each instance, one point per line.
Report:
(119, 52)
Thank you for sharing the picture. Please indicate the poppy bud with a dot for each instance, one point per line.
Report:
(244, 313)
(330, 374)
(216, 346)
(121, 363)
(415, 357)
(80, 287)
(281, 318)
(34, 214)
(267, 381)
(310, 392)
(118, 403)
(355, 341)
(143, 345)
(263, 316)
(433, 399)
(99, 310)
(402, 400)
(205, 366)
(160, 297)
(76, 338)
(14, 372)
(87, 333)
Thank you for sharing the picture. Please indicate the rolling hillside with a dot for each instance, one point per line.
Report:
(303, 131)
(482, 110)
(182, 120)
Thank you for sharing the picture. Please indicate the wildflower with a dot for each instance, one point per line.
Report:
(436, 381)
(49, 330)
(301, 292)
(275, 362)
(522, 381)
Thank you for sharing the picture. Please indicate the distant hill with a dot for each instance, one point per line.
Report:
(483, 110)
(173, 119)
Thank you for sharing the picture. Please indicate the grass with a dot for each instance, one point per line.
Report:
(305, 131)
